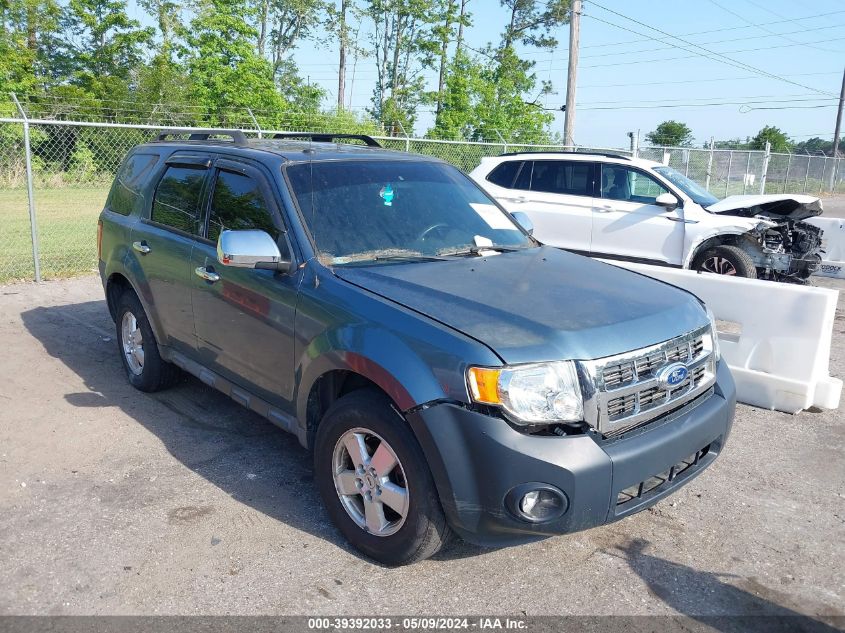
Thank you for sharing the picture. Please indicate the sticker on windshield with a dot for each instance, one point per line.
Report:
(491, 214)
(387, 195)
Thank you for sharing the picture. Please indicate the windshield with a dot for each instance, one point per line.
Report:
(378, 210)
(699, 194)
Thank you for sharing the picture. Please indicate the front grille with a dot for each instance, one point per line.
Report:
(652, 484)
(625, 391)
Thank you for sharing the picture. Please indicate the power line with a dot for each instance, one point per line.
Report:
(707, 52)
(762, 28)
(698, 81)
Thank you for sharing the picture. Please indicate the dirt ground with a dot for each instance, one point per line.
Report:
(117, 502)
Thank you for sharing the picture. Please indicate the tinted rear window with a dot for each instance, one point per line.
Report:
(505, 173)
(564, 177)
(177, 199)
(125, 196)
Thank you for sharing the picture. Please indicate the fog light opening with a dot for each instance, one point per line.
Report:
(537, 503)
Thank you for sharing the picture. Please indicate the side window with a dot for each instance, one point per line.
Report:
(629, 185)
(572, 178)
(177, 201)
(505, 173)
(523, 178)
(239, 204)
(125, 195)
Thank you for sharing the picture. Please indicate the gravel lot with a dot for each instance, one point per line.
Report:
(117, 502)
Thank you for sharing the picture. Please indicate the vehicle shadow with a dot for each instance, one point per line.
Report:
(236, 450)
(723, 605)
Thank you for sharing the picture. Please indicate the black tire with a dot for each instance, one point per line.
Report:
(155, 373)
(725, 258)
(423, 530)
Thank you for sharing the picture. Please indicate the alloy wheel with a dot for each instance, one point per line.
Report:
(718, 265)
(132, 342)
(370, 482)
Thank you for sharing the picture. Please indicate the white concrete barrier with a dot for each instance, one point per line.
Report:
(833, 243)
(775, 337)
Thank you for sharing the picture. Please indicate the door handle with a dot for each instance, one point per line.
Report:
(141, 247)
(520, 199)
(604, 209)
(208, 275)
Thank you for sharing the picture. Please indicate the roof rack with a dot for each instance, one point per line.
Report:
(238, 137)
(320, 137)
(570, 152)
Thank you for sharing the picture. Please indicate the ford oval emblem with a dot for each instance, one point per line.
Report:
(672, 375)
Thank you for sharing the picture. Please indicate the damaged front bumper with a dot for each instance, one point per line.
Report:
(481, 466)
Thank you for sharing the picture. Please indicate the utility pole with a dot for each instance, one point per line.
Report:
(836, 132)
(341, 66)
(839, 117)
(572, 75)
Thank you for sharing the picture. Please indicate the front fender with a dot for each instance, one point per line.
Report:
(694, 240)
(378, 355)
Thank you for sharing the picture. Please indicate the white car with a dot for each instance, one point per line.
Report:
(616, 207)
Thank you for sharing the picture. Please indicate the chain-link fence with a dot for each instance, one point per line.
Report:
(51, 233)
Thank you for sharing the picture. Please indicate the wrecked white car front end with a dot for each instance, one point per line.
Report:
(782, 246)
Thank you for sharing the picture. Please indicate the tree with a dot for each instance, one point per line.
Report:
(281, 25)
(671, 134)
(775, 136)
(404, 44)
(226, 71)
(101, 44)
(532, 22)
(27, 43)
(817, 145)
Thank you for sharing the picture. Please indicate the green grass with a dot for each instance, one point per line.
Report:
(67, 230)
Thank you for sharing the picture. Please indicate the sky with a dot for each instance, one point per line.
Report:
(763, 65)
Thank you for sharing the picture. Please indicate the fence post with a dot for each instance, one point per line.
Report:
(747, 172)
(837, 163)
(502, 139)
(807, 174)
(33, 225)
(821, 180)
(254, 121)
(728, 177)
(766, 158)
(786, 178)
(709, 165)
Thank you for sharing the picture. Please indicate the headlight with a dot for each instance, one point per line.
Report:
(717, 352)
(531, 394)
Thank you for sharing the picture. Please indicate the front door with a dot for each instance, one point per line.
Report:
(627, 222)
(244, 320)
(162, 244)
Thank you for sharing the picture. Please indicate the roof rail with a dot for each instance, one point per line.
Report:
(570, 152)
(320, 137)
(238, 137)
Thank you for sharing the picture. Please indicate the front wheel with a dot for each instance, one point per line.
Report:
(725, 260)
(375, 482)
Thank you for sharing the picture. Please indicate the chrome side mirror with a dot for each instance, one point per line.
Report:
(249, 249)
(524, 221)
(667, 200)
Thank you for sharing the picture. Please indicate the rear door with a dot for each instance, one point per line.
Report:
(162, 244)
(560, 203)
(628, 224)
(245, 319)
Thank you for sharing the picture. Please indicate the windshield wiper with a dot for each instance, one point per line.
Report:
(477, 250)
(407, 258)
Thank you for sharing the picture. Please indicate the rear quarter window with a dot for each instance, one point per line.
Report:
(505, 173)
(125, 196)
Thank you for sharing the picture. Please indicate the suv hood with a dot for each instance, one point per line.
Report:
(538, 304)
(775, 206)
